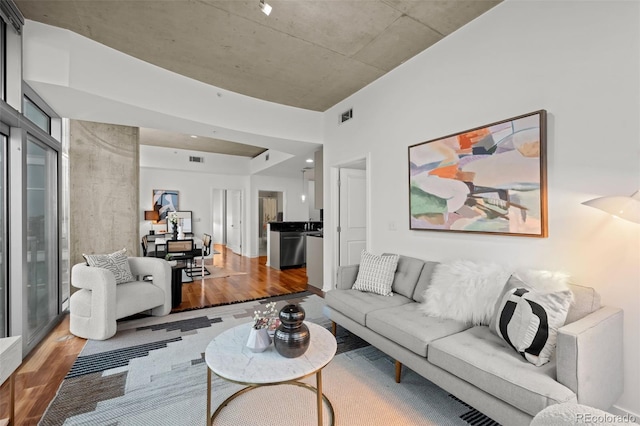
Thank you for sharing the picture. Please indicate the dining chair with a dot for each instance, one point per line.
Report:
(201, 252)
(146, 252)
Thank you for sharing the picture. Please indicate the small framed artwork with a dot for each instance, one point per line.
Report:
(185, 219)
(489, 180)
(165, 201)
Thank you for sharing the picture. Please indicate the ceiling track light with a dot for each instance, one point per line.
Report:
(265, 7)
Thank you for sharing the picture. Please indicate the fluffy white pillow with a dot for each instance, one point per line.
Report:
(376, 273)
(116, 262)
(464, 291)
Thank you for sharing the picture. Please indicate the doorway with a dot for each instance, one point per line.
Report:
(352, 218)
(226, 217)
(270, 208)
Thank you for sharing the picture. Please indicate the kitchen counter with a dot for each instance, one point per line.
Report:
(287, 247)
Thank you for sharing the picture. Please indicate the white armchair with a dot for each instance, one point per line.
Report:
(100, 302)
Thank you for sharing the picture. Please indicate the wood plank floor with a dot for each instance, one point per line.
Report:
(41, 373)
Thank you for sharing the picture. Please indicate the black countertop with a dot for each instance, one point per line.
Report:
(296, 226)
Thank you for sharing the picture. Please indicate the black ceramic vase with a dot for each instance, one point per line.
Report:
(175, 230)
(291, 338)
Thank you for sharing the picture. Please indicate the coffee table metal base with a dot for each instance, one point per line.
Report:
(320, 397)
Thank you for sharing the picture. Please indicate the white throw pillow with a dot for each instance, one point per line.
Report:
(464, 291)
(528, 321)
(376, 273)
(116, 262)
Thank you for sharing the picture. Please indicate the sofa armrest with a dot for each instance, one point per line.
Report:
(346, 276)
(589, 357)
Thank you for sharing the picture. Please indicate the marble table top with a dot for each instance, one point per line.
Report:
(228, 357)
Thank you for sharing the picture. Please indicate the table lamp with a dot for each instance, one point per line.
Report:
(153, 216)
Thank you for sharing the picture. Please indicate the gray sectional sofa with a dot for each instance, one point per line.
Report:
(477, 366)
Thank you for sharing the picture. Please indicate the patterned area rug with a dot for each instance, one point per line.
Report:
(152, 372)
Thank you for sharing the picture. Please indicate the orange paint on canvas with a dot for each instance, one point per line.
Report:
(449, 172)
(466, 140)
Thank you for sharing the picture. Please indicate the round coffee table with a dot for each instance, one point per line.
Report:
(228, 357)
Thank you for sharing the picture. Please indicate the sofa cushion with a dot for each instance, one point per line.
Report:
(406, 276)
(357, 304)
(484, 360)
(376, 273)
(424, 280)
(137, 296)
(407, 326)
(116, 262)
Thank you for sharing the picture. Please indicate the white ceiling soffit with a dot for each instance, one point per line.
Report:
(154, 137)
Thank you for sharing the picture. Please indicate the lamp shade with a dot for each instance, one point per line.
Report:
(151, 215)
(627, 208)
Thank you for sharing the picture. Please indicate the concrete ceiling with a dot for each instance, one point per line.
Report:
(308, 53)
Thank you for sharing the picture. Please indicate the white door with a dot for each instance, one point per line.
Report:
(234, 220)
(218, 216)
(353, 215)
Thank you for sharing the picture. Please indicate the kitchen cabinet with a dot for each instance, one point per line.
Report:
(314, 261)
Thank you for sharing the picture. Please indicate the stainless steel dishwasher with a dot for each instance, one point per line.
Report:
(292, 249)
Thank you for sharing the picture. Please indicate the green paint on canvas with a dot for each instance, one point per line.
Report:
(424, 203)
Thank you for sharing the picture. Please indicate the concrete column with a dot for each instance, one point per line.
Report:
(104, 174)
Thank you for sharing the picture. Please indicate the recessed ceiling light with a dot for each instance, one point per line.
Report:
(309, 160)
(265, 7)
(194, 136)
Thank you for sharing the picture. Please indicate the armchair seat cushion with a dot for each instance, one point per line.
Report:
(137, 296)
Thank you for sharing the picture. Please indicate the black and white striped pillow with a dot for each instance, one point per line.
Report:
(528, 321)
(376, 273)
(116, 262)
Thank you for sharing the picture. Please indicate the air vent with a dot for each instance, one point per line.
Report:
(347, 115)
(193, 159)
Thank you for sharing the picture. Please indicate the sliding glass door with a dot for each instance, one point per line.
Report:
(42, 238)
(3, 238)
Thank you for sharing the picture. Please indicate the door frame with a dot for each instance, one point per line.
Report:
(331, 268)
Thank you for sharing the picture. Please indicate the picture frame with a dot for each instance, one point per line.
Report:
(165, 201)
(185, 220)
(490, 179)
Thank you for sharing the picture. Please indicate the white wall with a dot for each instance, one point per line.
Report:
(165, 168)
(579, 60)
(195, 193)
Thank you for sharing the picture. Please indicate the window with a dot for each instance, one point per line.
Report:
(36, 115)
(42, 237)
(3, 60)
(4, 301)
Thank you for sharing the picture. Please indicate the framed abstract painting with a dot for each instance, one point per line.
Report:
(165, 201)
(489, 180)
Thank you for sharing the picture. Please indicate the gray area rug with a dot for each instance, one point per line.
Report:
(152, 372)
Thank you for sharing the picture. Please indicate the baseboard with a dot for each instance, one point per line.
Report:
(626, 416)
